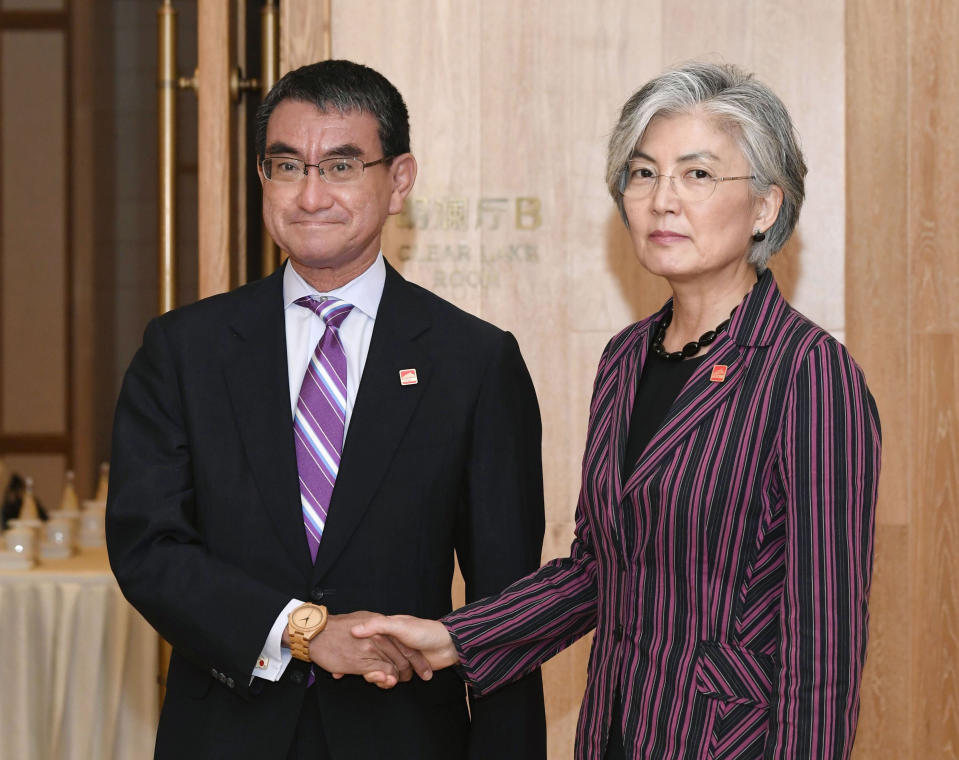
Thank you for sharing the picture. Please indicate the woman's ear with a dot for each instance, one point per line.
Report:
(767, 208)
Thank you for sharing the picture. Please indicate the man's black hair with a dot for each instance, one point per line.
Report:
(342, 86)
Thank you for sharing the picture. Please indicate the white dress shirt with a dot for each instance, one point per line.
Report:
(303, 332)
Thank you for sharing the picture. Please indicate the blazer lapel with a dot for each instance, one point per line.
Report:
(750, 327)
(628, 367)
(256, 377)
(381, 414)
(628, 372)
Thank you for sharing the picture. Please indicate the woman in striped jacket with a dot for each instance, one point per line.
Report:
(724, 530)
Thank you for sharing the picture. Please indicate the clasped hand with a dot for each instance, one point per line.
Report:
(383, 649)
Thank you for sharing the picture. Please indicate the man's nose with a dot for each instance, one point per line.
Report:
(314, 192)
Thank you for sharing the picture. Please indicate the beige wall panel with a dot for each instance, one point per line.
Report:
(557, 539)
(525, 132)
(34, 233)
(485, 222)
(436, 242)
(884, 708)
(564, 680)
(935, 591)
(605, 66)
(304, 32)
(902, 101)
(802, 60)
(934, 160)
(877, 264)
(877, 277)
(585, 351)
(799, 49)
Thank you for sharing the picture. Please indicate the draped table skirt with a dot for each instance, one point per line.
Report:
(78, 665)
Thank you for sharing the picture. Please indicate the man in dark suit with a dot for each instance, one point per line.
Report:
(250, 530)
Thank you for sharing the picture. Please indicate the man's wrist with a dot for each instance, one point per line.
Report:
(306, 622)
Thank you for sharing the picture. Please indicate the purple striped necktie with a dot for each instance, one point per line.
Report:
(319, 423)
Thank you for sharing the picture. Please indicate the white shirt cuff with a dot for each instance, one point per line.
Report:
(274, 658)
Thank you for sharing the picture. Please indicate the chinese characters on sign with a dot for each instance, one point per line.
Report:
(524, 213)
(432, 225)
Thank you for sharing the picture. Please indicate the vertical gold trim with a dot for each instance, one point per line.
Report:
(269, 73)
(216, 169)
(166, 158)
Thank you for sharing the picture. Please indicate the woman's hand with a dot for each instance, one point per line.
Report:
(429, 637)
(337, 651)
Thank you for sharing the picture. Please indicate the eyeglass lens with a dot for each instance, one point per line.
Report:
(691, 185)
(335, 170)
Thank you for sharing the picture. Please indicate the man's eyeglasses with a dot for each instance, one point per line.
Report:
(337, 171)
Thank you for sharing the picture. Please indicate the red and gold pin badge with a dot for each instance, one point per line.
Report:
(719, 373)
(408, 377)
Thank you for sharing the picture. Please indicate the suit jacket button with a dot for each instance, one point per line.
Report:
(317, 595)
(297, 677)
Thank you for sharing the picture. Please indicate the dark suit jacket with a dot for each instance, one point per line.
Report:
(206, 535)
(727, 571)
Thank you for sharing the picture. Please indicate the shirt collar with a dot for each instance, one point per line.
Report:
(364, 292)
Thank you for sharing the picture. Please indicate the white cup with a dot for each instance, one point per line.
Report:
(70, 516)
(22, 541)
(59, 532)
(92, 530)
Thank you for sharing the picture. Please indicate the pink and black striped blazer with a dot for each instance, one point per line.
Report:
(727, 573)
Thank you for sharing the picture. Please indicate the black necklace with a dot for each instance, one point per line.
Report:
(691, 348)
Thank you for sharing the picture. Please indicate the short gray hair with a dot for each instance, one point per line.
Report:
(762, 126)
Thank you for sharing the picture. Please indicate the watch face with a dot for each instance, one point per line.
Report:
(307, 618)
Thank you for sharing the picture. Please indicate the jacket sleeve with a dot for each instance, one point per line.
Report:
(504, 637)
(499, 538)
(829, 467)
(210, 611)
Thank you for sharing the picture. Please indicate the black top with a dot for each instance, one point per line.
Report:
(658, 386)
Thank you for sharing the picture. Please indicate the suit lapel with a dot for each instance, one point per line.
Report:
(382, 411)
(750, 326)
(628, 368)
(255, 371)
(628, 371)
(696, 400)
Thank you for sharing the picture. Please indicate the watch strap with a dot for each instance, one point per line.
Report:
(299, 646)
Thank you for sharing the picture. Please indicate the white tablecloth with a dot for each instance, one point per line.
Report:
(78, 665)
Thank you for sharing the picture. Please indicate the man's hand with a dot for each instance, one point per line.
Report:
(429, 639)
(337, 651)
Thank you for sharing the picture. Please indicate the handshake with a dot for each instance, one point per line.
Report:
(383, 649)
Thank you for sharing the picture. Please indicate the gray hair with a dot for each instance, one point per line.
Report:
(760, 123)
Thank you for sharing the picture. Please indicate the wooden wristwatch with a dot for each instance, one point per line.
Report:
(306, 621)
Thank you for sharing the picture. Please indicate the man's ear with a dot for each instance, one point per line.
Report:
(403, 174)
